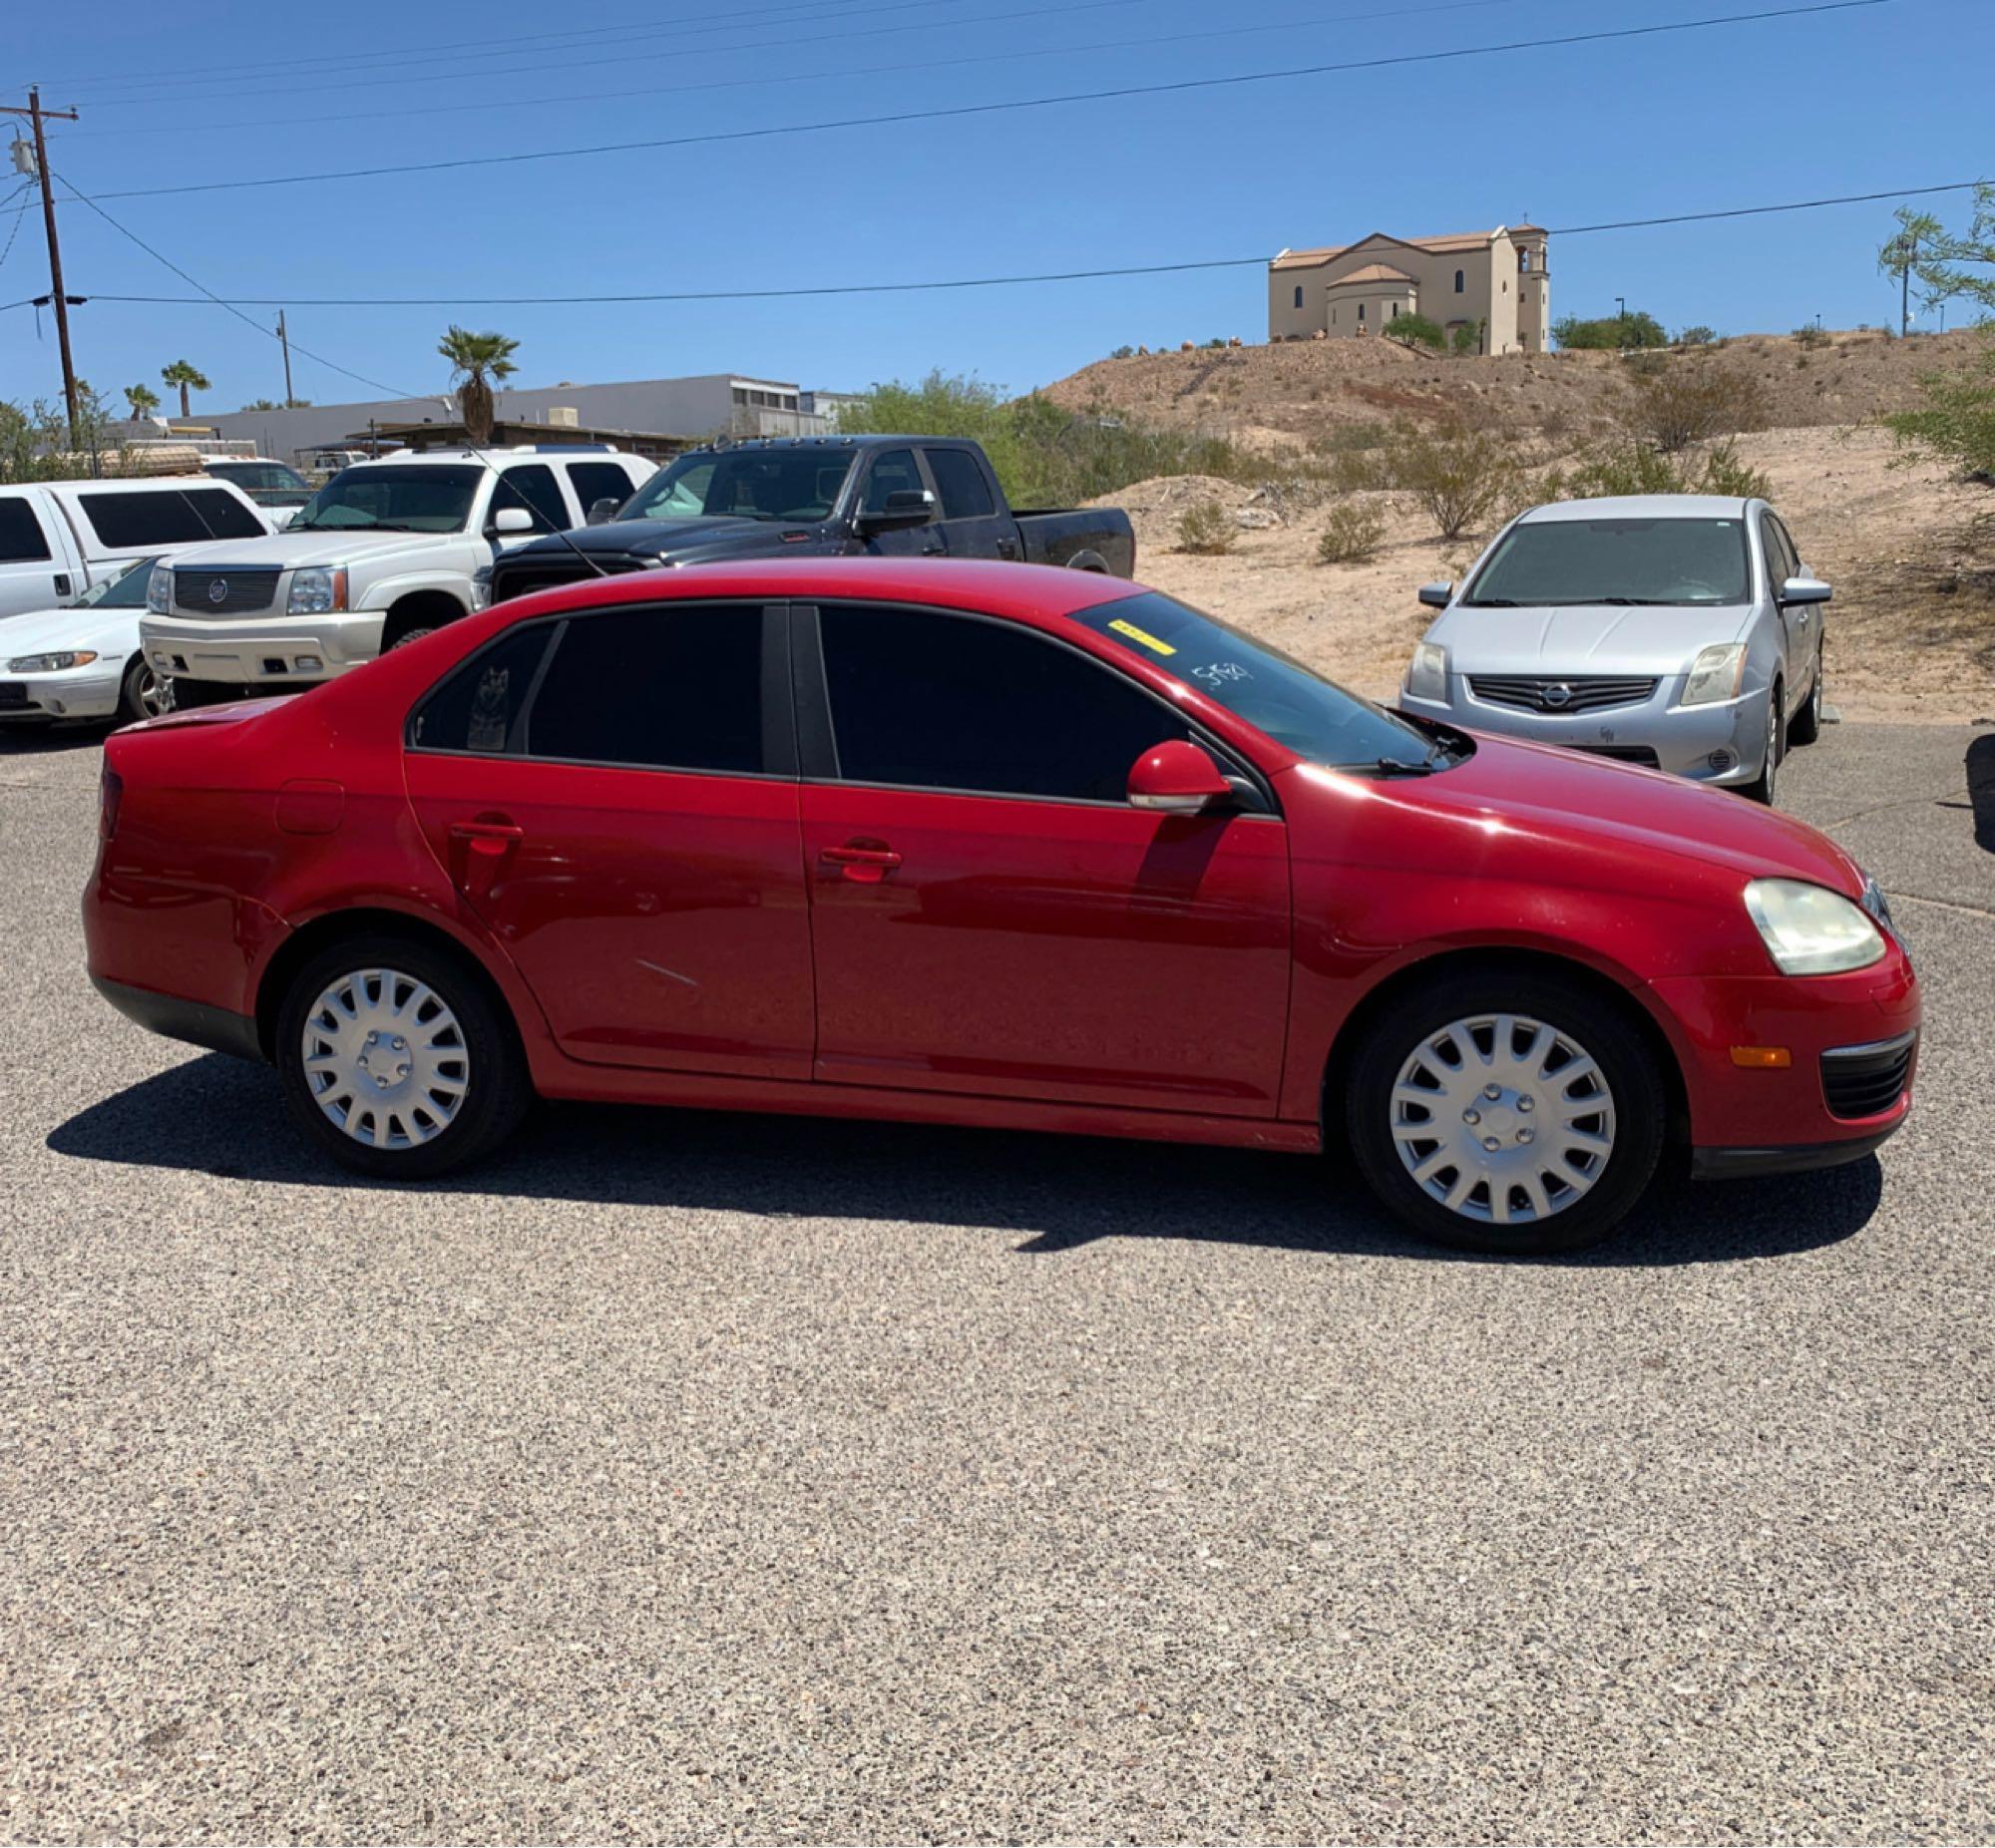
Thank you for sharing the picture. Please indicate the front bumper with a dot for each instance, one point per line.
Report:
(267, 650)
(79, 693)
(1720, 743)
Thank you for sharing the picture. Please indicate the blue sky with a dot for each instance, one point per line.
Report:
(1788, 109)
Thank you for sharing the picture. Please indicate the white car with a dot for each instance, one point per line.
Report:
(383, 552)
(83, 661)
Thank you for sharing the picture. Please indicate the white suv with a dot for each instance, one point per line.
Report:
(385, 552)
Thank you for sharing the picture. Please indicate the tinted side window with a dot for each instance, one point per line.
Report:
(598, 481)
(893, 472)
(224, 516)
(677, 687)
(130, 521)
(948, 702)
(533, 487)
(960, 483)
(20, 532)
(478, 706)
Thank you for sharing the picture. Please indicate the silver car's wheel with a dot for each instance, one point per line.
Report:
(1502, 1119)
(385, 1060)
(1771, 776)
(145, 694)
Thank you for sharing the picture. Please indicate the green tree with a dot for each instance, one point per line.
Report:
(143, 399)
(186, 377)
(1956, 422)
(1416, 330)
(1943, 264)
(1615, 334)
(476, 360)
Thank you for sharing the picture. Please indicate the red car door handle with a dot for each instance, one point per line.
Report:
(483, 846)
(494, 832)
(863, 861)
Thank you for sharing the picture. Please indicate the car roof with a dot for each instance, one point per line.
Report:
(1644, 506)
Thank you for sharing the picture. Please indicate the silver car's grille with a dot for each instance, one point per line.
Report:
(1567, 693)
(224, 593)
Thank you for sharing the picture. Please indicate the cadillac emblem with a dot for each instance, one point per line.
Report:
(217, 591)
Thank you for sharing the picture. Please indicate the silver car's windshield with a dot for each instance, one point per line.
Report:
(1662, 560)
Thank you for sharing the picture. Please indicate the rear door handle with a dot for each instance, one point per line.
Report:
(1007, 548)
(483, 846)
(62, 583)
(487, 831)
(863, 862)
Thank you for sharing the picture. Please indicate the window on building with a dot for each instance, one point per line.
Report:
(738, 395)
(1460, 282)
(1333, 317)
(1396, 311)
(1299, 294)
(1361, 310)
(1525, 262)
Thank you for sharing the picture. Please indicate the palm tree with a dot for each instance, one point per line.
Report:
(188, 378)
(477, 359)
(143, 399)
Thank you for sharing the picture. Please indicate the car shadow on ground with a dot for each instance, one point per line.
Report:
(220, 1116)
(18, 740)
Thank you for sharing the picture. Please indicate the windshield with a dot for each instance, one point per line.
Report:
(746, 483)
(1666, 560)
(434, 498)
(124, 591)
(1316, 718)
(253, 475)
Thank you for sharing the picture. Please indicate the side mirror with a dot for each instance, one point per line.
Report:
(512, 519)
(601, 511)
(905, 506)
(1177, 777)
(1804, 590)
(1437, 596)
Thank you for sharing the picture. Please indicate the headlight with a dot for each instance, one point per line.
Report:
(160, 590)
(1811, 931)
(480, 588)
(316, 590)
(1427, 678)
(1716, 674)
(51, 663)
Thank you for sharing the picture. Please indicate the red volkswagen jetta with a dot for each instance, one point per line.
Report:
(990, 845)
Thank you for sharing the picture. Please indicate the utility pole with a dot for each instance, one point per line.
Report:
(36, 116)
(284, 340)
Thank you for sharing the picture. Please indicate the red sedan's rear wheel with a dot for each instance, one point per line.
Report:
(394, 1059)
(1511, 1114)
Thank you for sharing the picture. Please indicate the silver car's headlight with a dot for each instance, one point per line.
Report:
(1811, 931)
(480, 588)
(60, 661)
(317, 590)
(1716, 674)
(1426, 676)
(160, 590)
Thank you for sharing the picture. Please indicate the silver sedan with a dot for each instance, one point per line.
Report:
(1680, 631)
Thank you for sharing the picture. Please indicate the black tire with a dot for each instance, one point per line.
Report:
(405, 636)
(144, 694)
(1765, 785)
(1805, 726)
(497, 1089)
(1626, 1064)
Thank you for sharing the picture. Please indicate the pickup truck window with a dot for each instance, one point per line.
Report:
(961, 485)
(895, 471)
(250, 476)
(799, 483)
(127, 520)
(924, 700)
(433, 499)
(20, 532)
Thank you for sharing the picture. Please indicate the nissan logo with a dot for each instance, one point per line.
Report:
(217, 591)
(1557, 695)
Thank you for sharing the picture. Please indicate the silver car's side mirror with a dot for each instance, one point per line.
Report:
(1437, 596)
(1804, 590)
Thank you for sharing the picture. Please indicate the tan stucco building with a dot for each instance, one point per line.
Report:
(1496, 280)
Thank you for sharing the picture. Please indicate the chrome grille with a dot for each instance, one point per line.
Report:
(1562, 692)
(241, 590)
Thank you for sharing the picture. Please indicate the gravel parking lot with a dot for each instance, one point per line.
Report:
(697, 1477)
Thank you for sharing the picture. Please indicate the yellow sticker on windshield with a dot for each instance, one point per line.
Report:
(1143, 636)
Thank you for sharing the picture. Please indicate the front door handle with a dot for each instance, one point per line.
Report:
(479, 849)
(865, 863)
(62, 583)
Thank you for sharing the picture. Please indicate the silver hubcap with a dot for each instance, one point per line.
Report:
(1772, 744)
(156, 696)
(1502, 1119)
(385, 1060)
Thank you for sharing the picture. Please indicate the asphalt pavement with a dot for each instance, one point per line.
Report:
(711, 1478)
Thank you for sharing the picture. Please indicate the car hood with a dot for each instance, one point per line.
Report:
(657, 539)
(1586, 639)
(289, 549)
(43, 632)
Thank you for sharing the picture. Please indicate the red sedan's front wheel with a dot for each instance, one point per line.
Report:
(1513, 1114)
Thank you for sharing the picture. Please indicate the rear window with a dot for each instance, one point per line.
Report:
(960, 483)
(20, 532)
(180, 517)
(1666, 560)
(477, 708)
(598, 481)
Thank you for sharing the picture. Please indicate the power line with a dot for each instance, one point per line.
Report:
(821, 74)
(906, 288)
(961, 111)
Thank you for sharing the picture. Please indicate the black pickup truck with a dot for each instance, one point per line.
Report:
(916, 497)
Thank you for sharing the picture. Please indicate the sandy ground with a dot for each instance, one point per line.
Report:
(1911, 629)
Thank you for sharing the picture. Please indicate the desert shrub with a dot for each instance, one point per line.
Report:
(1809, 336)
(1613, 333)
(1123, 352)
(1467, 339)
(1417, 330)
(1955, 423)
(1682, 402)
(1628, 467)
(1350, 536)
(1459, 475)
(1723, 472)
(1699, 336)
(1206, 526)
